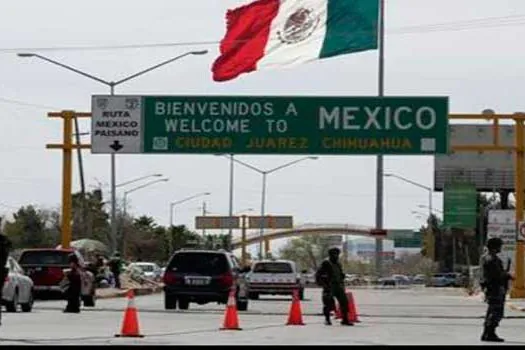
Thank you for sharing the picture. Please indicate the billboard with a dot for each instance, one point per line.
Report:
(487, 170)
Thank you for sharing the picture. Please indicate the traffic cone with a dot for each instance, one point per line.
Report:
(130, 324)
(352, 309)
(231, 318)
(295, 317)
(337, 312)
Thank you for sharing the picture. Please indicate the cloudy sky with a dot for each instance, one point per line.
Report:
(443, 48)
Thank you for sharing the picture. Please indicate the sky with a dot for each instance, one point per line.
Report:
(476, 62)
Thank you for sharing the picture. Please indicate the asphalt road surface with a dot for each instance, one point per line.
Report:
(388, 316)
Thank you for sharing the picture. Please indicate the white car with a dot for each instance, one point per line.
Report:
(18, 288)
(274, 277)
(148, 270)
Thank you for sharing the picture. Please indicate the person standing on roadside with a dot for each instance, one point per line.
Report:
(330, 276)
(115, 265)
(494, 281)
(5, 248)
(74, 288)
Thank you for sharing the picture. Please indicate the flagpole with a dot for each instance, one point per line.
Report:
(379, 160)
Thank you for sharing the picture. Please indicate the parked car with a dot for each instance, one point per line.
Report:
(47, 267)
(203, 276)
(18, 288)
(148, 269)
(274, 277)
(445, 280)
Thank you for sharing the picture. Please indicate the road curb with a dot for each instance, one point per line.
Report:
(136, 291)
(515, 307)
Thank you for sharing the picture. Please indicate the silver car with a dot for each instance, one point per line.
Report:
(18, 288)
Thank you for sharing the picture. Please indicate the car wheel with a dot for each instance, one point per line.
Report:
(170, 303)
(12, 305)
(242, 305)
(253, 296)
(27, 307)
(184, 304)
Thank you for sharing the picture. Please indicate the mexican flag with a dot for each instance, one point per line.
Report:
(281, 33)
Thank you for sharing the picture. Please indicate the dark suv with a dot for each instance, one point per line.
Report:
(203, 276)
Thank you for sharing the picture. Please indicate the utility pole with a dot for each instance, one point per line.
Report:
(67, 168)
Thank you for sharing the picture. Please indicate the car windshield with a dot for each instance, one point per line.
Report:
(146, 268)
(44, 257)
(199, 263)
(273, 267)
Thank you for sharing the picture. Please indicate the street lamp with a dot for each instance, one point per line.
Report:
(137, 180)
(423, 206)
(126, 205)
(172, 204)
(112, 85)
(265, 173)
(429, 189)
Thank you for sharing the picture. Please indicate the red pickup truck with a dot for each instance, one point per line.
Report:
(46, 266)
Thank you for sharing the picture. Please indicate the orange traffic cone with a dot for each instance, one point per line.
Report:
(130, 324)
(231, 318)
(352, 309)
(295, 317)
(337, 312)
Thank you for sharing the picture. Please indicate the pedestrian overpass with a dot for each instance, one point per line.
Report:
(305, 229)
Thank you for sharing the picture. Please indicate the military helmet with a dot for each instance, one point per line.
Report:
(334, 249)
(494, 243)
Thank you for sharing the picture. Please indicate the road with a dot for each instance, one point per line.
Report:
(416, 316)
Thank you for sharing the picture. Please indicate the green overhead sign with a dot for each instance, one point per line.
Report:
(269, 125)
(460, 205)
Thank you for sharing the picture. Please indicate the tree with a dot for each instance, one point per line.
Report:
(93, 221)
(32, 228)
(307, 251)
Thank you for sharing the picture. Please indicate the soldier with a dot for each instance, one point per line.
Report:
(330, 276)
(494, 281)
(115, 265)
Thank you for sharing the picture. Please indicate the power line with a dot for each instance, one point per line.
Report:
(479, 23)
(26, 104)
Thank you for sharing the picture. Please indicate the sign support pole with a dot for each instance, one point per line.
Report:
(518, 287)
(243, 240)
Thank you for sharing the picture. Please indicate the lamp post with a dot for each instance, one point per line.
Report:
(122, 184)
(172, 204)
(125, 203)
(112, 85)
(430, 208)
(264, 174)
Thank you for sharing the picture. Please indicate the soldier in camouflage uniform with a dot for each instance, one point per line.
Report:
(330, 276)
(494, 281)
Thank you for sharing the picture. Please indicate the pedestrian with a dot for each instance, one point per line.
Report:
(5, 247)
(74, 288)
(330, 276)
(494, 281)
(115, 265)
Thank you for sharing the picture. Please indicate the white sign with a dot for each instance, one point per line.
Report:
(486, 169)
(116, 124)
(502, 224)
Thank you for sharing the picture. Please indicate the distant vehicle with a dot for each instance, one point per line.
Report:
(445, 280)
(274, 277)
(47, 266)
(419, 279)
(401, 280)
(203, 276)
(18, 288)
(148, 269)
(387, 282)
